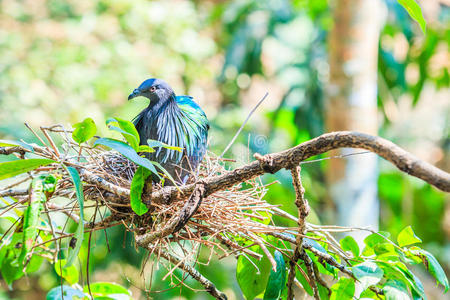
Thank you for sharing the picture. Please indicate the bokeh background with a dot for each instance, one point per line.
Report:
(327, 65)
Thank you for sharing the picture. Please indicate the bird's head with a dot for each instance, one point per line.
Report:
(154, 89)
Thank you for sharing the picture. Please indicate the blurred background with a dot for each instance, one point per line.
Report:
(327, 65)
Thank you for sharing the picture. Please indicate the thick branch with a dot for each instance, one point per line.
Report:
(290, 158)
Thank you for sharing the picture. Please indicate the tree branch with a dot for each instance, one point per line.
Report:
(272, 163)
(303, 211)
(207, 284)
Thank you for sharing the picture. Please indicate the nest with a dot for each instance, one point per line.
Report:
(228, 221)
(222, 222)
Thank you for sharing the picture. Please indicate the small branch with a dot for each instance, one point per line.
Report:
(325, 256)
(11, 150)
(310, 270)
(303, 211)
(207, 284)
(14, 192)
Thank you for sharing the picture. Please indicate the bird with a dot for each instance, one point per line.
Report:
(176, 121)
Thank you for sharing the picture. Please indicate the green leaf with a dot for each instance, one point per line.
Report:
(368, 273)
(415, 12)
(399, 271)
(105, 289)
(127, 129)
(276, 282)
(31, 217)
(154, 144)
(376, 238)
(349, 244)
(128, 152)
(137, 185)
(68, 293)
(145, 148)
(407, 237)
(69, 273)
(252, 281)
(343, 289)
(10, 269)
(433, 267)
(164, 171)
(13, 168)
(395, 290)
(84, 130)
(79, 233)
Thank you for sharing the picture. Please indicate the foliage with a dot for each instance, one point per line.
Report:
(382, 265)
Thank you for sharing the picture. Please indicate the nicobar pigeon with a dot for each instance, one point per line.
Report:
(174, 120)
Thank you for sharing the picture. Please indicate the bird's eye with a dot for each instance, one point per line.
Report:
(152, 89)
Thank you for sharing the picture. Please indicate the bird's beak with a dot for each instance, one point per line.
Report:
(134, 94)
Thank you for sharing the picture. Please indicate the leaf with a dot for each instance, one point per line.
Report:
(415, 12)
(145, 148)
(31, 217)
(407, 237)
(137, 185)
(127, 129)
(104, 289)
(128, 152)
(84, 130)
(343, 289)
(433, 267)
(349, 244)
(69, 273)
(167, 174)
(276, 282)
(154, 144)
(368, 273)
(79, 233)
(376, 238)
(252, 281)
(10, 269)
(68, 293)
(13, 168)
(399, 271)
(395, 290)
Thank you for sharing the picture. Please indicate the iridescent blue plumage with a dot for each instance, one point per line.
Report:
(174, 120)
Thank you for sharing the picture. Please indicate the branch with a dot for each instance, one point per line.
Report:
(303, 211)
(207, 284)
(288, 159)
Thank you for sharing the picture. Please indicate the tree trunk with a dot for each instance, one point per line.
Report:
(352, 94)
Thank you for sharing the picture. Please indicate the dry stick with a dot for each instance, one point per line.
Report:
(242, 126)
(52, 230)
(303, 211)
(50, 140)
(207, 284)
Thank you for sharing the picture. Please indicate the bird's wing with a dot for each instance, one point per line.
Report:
(195, 126)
